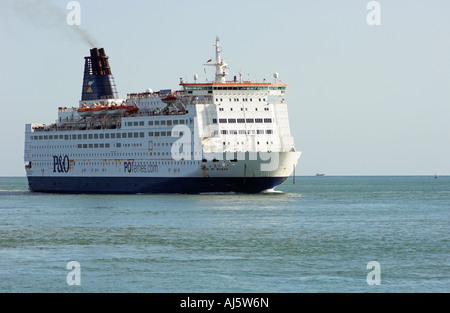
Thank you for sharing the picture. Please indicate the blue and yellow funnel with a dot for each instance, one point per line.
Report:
(98, 82)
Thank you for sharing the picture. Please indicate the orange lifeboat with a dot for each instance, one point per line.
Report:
(131, 109)
(85, 111)
(169, 99)
(116, 110)
(100, 110)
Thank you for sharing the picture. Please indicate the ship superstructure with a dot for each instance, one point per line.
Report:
(216, 136)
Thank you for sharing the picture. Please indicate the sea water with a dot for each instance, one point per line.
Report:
(321, 234)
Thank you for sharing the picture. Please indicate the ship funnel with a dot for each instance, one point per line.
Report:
(98, 82)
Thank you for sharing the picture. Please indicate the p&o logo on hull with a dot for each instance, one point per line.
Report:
(61, 164)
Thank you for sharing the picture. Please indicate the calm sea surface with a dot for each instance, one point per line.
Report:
(315, 236)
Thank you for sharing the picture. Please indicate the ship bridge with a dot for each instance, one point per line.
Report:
(237, 84)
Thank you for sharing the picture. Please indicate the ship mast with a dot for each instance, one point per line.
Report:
(219, 64)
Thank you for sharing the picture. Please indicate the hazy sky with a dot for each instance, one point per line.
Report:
(362, 99)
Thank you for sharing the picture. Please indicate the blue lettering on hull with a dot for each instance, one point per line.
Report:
(61, 164)
(131, 167)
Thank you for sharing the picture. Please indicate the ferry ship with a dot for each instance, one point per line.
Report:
(213, 136)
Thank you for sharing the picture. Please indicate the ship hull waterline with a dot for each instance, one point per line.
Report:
(135, 185)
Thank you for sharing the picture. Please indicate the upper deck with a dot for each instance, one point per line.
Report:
(157, 104)
(233, 86)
